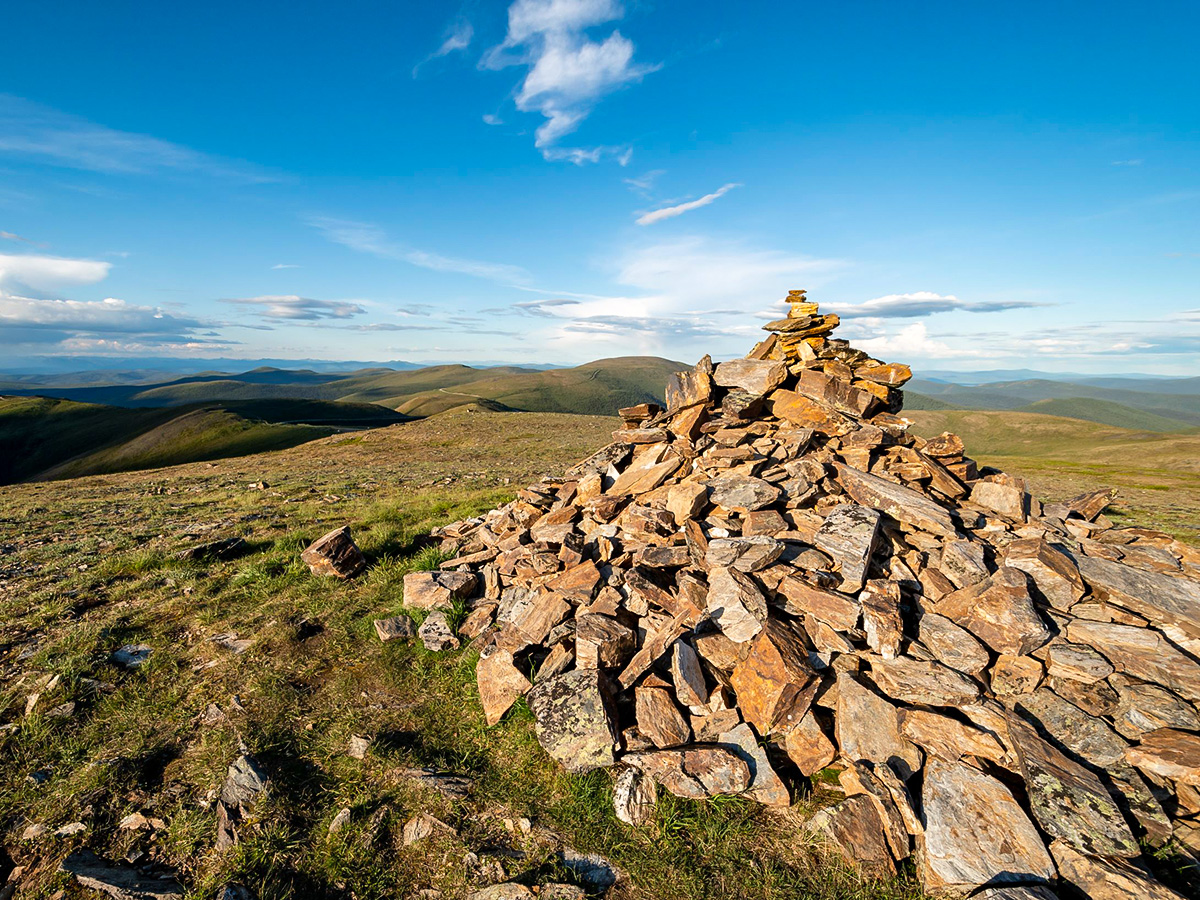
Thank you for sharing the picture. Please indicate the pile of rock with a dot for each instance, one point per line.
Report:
(772, 577)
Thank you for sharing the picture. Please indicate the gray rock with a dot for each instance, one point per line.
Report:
(868, 728)
(754, 376)
(634, 797)
(395, 627)
(742, 492)
(736, 604)
(573, 719)
(244, 783)
(952, 645)
(1088, 738)
(746, 554)
(696, 772)
(975, 832)
(335, 554)
(849, 534)
(901, 503)
(435, 632)
(1158, 597)
(507, 891)
(923, 682)
(765, 785)
(118, 880)
(1105, 879)
(1068, 801)
(591, 870)
(132, 656)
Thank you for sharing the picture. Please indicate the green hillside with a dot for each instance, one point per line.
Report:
(43, 438)
(1105, 412)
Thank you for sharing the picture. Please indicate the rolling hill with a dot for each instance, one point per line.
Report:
(45, 438)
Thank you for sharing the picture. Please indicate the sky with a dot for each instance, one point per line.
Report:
(969, 186)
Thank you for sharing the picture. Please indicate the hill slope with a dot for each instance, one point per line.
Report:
(44, 438)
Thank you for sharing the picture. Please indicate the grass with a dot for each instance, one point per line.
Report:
(90, 565)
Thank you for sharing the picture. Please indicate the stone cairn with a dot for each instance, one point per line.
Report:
(772, 577)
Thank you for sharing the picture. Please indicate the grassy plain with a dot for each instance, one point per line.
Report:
(88, 565)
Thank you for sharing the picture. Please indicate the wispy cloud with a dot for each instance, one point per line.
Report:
(544, 307)
(492, 119)
(293, 308)
(921, 303)
(567, 73)
(643, 183)
(669, 212)
(1127, 162)
(9, 236)
(32, 131)
(286, 266)
(367, 238)
(458, 37)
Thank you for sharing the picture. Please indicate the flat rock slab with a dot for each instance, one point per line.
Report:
(868, 727)
(765, 785)
(500, 683)
(849, 534)
(1068, 801)
(774, 682)
(1104, 879)
(694, 773)
(742, 492)
(1168, 753)
(975, 832)
(1160, 598)
(118, 880)
(394, 627)
(901, 503)
(335, 554)
(755, 376)
(999, 611)
(573, 719)
(438, 590)
(854, 829)
(922, 682)
(1142, 653)
(436, 634)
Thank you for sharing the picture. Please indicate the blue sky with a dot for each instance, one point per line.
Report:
(970, 185)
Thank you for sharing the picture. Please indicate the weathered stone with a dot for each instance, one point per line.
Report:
(1140, 652)
(746, 554)
(573, 719)
(1067, 800)
(687, 675)
(119, 880)
(964, 563)
(880, 601)
(774, 682)
(601, 642)
(500, 682)
(948, 738)
(945, 446)
(742, 492)
(358, 747)
(1168, 753)
(1006, 500)
(831, 391)
(998, 611)
(765, 785)
(951, 645)
(395, 627)
(690, 388)
(634, 797)
(854, 829)
(1145, 707)
(687, 500)
(435, 632)
(849, 534)
(694, 773)
(858, 779)
(799, 597)
(244, 783)
(1053, 572)
(1158, 597)
(438, 590)
(1107, 879)
(659, 719)
(1077, 662)
(868, 728)
(1089, 739)
(901, 503)
(224, 549)
(923, 682)
(1016, 892)
(335, 554)
(736, 604)
(534, 615)
(808, 746)
(975, 832)
(758, 377)
(1015, 675)
(800, 410)
(1097, 699)
(506, 891)
(131, 656)
(890, 374)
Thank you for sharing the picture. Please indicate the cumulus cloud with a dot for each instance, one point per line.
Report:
(28, 272)
(911, 342)
(920, 303)
(294, 308)
(669, 212)
(367, 238)
(38, 132)
(28, 320)
(458, 37)
(567, 73)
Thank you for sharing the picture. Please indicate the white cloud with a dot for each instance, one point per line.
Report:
(28, 320)
(1127, 162)
(458, 37)
(490, 119)
(38, 132)
(286, 266)
(920, 303)
(911, 342)
(48, 273)
(643, 183)
(292, 307)
(669, 212)
(567, 72)
(367, 238)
